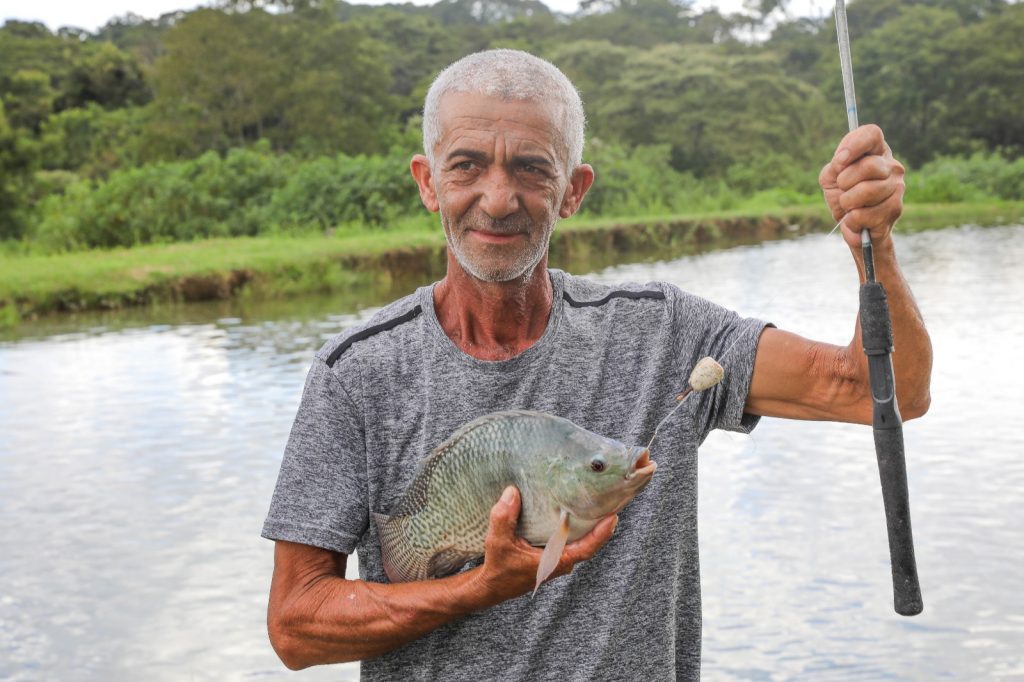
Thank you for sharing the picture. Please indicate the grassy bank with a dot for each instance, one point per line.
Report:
(33, 285)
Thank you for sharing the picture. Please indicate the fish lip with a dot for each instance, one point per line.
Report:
(642, 457)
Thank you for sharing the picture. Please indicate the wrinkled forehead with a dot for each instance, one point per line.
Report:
(532, 123)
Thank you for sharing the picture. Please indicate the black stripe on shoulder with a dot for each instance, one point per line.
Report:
(634, 295)
(370, 331)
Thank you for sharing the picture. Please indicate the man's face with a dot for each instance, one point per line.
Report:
(500, 179)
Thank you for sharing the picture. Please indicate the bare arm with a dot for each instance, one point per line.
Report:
(802, 379)
(316, 616)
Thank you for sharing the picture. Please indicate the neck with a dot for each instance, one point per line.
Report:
(493, 320)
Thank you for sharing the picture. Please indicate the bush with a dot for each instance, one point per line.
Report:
(164, 202)
(768, 171)
(978, 177)
(638, 181)
(327, 192)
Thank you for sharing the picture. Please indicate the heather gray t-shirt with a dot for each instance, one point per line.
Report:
(380, 397)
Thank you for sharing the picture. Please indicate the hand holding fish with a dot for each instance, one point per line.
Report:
(863, 185)
(511, 563)
(317, 616)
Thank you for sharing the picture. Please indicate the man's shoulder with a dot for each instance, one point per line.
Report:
(395, 316)
(583, 292)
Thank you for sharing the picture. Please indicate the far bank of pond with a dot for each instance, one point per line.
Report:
(361, 261)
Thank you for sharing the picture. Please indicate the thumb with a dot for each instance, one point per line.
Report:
(505, 513)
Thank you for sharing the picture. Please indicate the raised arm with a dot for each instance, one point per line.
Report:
(802, 379)
(316, 616)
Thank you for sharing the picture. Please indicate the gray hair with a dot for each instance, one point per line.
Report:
(511, 75)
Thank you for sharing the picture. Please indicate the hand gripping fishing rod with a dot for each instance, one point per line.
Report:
(876, 336)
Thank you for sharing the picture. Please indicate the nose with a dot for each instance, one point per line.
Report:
(498, 196)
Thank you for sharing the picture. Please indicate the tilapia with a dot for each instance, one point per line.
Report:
(569, 479)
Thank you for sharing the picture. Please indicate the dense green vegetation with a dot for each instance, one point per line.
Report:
(259, 117)
(363, 261)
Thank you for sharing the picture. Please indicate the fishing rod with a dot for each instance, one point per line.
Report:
(887, 425)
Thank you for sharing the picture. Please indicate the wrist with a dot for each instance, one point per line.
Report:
(468, 591)
(881, 250)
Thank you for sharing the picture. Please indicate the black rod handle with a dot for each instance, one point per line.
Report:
(892, 469)
(876, 335)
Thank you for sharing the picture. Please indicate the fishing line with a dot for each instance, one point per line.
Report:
(721, 360)
(680, 404)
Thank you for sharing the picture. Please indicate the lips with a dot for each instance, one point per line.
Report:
(496, 237)
(642, 467)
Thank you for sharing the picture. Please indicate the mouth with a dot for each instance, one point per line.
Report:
(496, 237)
(642, 466)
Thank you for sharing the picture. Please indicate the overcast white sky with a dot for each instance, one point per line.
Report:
(91, 14)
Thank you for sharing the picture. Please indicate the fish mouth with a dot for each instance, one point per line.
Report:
(642, 467)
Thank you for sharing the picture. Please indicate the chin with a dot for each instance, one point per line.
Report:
(488, 270)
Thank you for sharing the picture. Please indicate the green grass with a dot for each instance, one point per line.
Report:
(32, 284)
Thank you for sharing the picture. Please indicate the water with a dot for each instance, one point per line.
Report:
(137, 458)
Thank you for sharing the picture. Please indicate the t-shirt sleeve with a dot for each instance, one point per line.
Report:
(321, 493)
(705, 329)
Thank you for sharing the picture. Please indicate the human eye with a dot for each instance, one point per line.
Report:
(532, 170)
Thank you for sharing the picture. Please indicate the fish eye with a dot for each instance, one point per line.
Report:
(597, 464)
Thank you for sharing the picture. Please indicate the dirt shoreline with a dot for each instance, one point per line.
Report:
(574, 247)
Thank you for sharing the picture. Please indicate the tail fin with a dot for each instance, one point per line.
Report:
(403, 561)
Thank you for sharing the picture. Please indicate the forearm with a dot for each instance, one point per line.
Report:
(323, 618)
(912, 355)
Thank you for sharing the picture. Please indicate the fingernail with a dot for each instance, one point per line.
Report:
(843, 155)
(615, 524)
(507, 496)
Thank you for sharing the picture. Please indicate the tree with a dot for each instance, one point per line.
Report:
(713, 109)
(108, 77)
(644, 23)
(230, 79)
(987, 73)
(29, 99)
(93, 141)
(905, 81)
(592, 66)
(415, 47)
(16, 171)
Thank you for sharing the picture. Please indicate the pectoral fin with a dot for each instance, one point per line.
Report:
(553, 550)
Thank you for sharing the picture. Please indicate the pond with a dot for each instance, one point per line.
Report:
(138, 452)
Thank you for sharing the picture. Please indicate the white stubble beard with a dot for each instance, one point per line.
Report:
(526, 259)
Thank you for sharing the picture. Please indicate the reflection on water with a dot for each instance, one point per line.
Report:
(137, 458)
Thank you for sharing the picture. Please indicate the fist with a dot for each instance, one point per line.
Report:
(510, 563)
(863, 185)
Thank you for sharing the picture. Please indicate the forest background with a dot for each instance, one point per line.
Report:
(257, 118)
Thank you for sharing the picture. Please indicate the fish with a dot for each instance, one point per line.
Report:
(569, 479)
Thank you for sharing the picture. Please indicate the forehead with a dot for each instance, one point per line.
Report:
(473, 117)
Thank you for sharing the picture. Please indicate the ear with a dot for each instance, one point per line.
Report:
(582, 179)
(424, 176)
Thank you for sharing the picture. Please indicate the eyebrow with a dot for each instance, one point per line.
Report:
(531, 160)
(468, 153)
(475, 155)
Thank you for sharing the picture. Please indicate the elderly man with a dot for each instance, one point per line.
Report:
(503, 140)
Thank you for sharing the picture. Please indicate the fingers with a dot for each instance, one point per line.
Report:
(866, 169)
(864, 141)
(505, 516)
(863, 184)
(510, 563)
(878, 219)
(869, 193)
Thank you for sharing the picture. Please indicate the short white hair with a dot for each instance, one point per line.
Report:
(511, 75)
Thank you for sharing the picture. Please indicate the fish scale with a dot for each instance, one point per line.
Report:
(442, 519)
